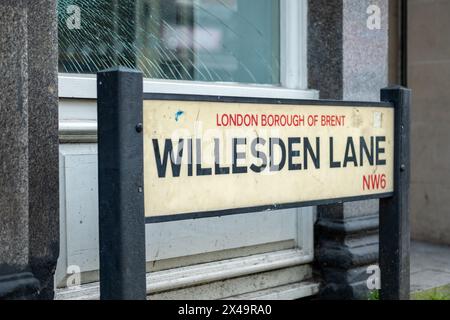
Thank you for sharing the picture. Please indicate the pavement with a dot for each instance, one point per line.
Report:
(430, 266)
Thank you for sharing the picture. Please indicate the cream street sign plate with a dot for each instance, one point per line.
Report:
(207, 156)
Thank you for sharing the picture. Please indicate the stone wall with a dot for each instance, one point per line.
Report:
(29, 200)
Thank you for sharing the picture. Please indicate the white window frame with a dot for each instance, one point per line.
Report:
(80, 127)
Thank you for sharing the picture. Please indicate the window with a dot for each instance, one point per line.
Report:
(203, 40)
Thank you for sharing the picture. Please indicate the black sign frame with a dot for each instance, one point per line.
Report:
(273, 101)
(121, 187)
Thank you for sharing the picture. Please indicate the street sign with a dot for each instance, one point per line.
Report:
(170, 157)
(205, 156)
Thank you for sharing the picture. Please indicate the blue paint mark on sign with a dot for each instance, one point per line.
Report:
(178, 115)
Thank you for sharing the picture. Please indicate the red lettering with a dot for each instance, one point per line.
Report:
(236, 120)
(374, 182)
(332, 121)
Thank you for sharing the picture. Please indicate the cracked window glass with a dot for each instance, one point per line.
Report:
(202, 40)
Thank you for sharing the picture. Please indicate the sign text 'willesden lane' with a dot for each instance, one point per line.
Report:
(215, 156)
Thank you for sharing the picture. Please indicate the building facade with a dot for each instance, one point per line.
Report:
(428, 75)
(316, 49)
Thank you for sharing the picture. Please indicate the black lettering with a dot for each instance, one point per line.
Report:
(238, 155)
(277, 167)
(333, 164)
(259, 155)
(190, 158)
(308, 150)
(218, 169)
(161, 165)
(293, 153)
(380, 151)
(364, 150)
(201, 171)
(350, 153)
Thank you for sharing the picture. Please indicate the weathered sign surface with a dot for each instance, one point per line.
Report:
(213, 156)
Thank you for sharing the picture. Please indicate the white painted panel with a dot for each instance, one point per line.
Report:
(173, 239)
(82, 212)
(77, 110)
(79, 213)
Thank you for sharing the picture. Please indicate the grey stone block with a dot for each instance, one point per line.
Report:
(29, 231)
(348, 252)
(43, 142)
(336, 226)
(13, 138)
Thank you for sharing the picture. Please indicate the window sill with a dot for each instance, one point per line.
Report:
(73, 86)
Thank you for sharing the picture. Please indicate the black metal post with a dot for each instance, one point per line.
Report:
(120, 173)
(394, 211)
